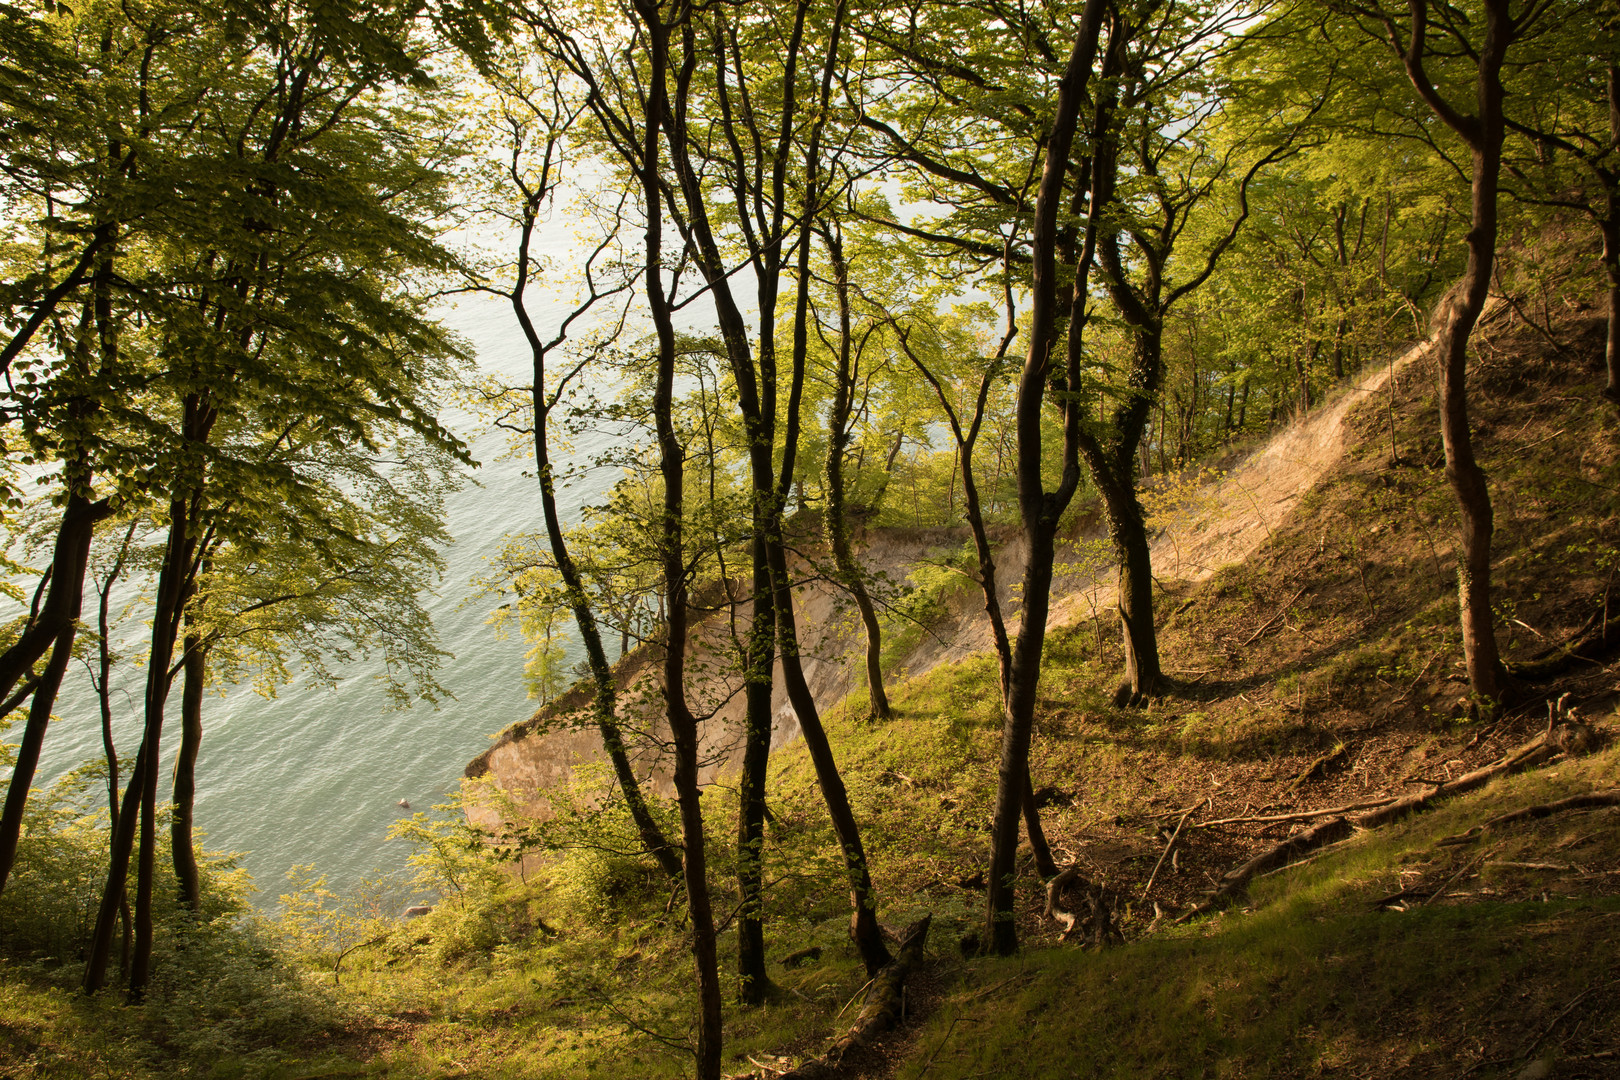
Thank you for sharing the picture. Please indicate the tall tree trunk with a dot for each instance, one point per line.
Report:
(864, 927)
(176, 581)
(1484, 134)
(838, 415)
(173, 589)
(1611, 237)
(194, 669)
(863, 924)
(103, 684)
(1142, 671)
(753, 980)
(59, 615)
(966, 443)
(1040, 509)
(671, 463)
(604, 704)
(113, 895)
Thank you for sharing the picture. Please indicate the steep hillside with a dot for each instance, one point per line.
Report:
(1214, 520)
(1456, 916)
(1319, 672)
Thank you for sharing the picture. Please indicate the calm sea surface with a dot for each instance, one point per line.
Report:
(313, 776)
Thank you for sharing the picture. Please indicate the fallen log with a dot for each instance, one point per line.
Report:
(1237, 879)
(1584, 801)
(1562, 738)
(881, 1011)
(1571, 737)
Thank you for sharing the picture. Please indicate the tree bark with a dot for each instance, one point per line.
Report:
(863, 925)
(1484, 134)
(671, 463)
(59, 616)
(838, 434)
(1611, 237)
(604, 704)
(194, 668)
(1040, 509)
(173, 590)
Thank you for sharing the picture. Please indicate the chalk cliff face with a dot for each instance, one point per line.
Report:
(541, 753)
(1215, 525)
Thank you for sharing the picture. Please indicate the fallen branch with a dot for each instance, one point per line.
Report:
(1322, 766)
(1540, 810)
(1236, 880)
(1269, 623)
(1452, 880)
(881, 1011)
(1565, 737)
(1583, 648)
(1302, 815)
(1571, 737)
(1163, 855)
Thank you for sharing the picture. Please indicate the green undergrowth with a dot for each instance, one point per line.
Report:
(1315, 977)
(572, 957)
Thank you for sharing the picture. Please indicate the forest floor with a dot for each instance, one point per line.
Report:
(1322, 670)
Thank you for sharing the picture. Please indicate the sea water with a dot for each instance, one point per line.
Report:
(313, 776)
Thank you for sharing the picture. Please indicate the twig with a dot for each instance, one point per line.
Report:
(858, 993)
(1280, 613)
(1303, 815)
(376, 940)
(1527, 1051)
(1452, 880)
(938, 1048)
(1166, 853)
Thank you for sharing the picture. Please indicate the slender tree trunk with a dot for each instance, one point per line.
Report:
(109, 749)
(194, 669)
(863, 926)
(753, 980)
(113, 895)
(173, 588)
(1142, 671)
(604, 704)
(1484, 135)
(58, 615)
(1611, 237)
(1040, 509)
(671, 463)
(838, 416)
(756, 398)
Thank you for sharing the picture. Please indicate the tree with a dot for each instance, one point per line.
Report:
(530, 117)
(1482, 45)
(304, 186)
(1148, 199)
(1040, 508)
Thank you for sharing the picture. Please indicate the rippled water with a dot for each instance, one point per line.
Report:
(313, 776)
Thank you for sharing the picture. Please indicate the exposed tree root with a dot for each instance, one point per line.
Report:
(1540, 810)
(881, 1011)
(1095, 917)
(1588, 647)
(1570, 737)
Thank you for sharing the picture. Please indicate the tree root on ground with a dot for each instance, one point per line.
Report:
(1587, 800)
(881, 1012)
(1095, 918)
(1570, 737)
